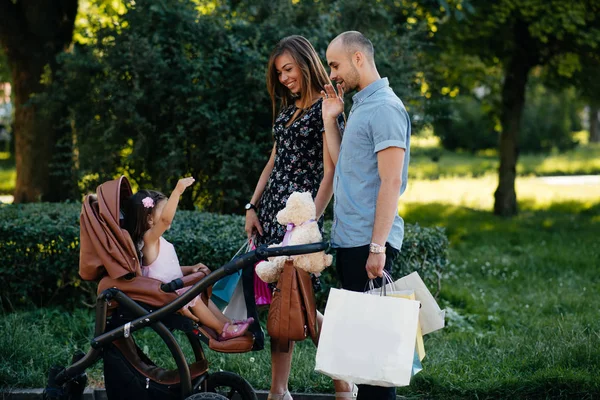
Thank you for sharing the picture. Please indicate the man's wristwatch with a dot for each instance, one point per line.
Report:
(376, 249)
(250, 206)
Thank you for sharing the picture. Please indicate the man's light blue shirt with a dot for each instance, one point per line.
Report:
(377, 121)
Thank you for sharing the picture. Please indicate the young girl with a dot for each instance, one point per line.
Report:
(148, 215)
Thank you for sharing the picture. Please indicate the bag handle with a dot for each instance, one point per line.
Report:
(244, 249)
(386, 277)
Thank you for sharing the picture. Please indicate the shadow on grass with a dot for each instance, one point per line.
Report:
(542, 387)
(465, 224)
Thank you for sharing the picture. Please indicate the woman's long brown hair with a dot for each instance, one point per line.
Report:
(313, 73)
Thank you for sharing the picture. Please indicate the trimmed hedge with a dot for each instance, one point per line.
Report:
(39, 252)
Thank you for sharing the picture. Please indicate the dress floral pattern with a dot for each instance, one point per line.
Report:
(298, 166)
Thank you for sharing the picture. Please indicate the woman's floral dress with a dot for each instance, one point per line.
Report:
(298, 166)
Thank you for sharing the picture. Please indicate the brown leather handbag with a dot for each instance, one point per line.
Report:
(293, 312)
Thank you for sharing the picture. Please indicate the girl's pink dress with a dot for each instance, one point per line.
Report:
(166, 268)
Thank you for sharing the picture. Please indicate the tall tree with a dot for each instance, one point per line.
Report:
(519, 35)
(32, 33)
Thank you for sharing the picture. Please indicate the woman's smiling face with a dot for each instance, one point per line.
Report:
(289, 72)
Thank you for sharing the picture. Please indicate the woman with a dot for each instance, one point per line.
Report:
(299, 161)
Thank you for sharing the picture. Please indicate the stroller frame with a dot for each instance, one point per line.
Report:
(59, 380)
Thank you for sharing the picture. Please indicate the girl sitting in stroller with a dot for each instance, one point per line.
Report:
(148, 214)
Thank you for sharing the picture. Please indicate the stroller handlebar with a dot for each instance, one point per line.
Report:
(261, 253)
(264, 252)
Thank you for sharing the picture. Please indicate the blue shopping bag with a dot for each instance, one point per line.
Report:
(223, 289)
(417, 366)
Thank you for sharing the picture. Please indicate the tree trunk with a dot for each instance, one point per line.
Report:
(513, 102)
(594, 123)
(33, 138)
(32, 34)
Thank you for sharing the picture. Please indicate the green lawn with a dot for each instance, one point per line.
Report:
(430, 161)
(8, 174)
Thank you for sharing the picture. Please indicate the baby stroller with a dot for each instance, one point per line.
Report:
(128, 302)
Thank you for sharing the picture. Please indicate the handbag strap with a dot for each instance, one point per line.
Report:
(288, 276)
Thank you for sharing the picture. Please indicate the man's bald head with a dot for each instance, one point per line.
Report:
(353, 41)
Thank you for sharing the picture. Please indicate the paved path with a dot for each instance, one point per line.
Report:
(571, 180)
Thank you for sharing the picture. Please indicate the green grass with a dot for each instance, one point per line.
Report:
(8, 174)
(430, 161)
(527, 292)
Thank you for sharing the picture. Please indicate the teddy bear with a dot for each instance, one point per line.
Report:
(299, 216)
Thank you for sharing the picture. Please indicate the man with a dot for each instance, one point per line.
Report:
(371, 169)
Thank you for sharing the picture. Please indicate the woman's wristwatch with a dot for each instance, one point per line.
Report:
(250, 206)
(376, 248)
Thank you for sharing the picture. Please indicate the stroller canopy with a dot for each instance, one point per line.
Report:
(105, 247)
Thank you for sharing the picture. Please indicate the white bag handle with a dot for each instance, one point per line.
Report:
(386, 277)
(244, 249)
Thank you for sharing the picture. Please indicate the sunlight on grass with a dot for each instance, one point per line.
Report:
(424, 140)
(478, 193)
(583, 160)
(429, 161)
(7, 181)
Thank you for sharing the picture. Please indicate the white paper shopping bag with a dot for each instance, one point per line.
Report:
(368, 339)
(432, 317)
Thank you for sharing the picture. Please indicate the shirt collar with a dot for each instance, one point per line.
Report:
(369, 90)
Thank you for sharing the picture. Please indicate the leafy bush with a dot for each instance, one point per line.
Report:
(39, 252)
(549, 120)
(464, 124)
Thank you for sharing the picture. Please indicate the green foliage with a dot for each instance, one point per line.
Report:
(463, 123)
(549, 119)
(39, 245)
(4, 70)
(171, 89)
(39, 248)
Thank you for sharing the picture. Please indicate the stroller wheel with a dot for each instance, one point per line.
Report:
(206, 396)
(230, 385)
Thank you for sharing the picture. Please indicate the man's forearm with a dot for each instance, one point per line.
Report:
(334, 138)
(386, 210)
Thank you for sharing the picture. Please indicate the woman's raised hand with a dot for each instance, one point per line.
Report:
(333, 103)
(252, 224)
(183, 183)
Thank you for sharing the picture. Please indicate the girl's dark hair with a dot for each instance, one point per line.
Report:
(314, 75)
(136, 215)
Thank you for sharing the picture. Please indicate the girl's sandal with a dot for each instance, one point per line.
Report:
(248, 321)
(231, 331)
